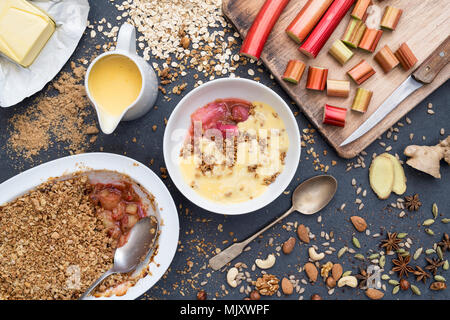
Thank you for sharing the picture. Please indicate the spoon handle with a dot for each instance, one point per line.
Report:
(96, 283)
(233, 251)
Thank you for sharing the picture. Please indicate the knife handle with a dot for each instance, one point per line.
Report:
(430, 68)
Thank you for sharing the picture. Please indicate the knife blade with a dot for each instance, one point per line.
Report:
(423, 75)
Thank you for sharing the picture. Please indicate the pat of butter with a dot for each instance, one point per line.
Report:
(24, 30)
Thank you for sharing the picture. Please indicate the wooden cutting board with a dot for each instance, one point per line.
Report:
(423, 25)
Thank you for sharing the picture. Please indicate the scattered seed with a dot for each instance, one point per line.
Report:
(445, 266)
(430, 251)
(359, 257)
(439, 253)
(341, 252)
(346, 273)
(428, 222)
(385, 277)
(356, 242)
(402, 235)
(382, 261)
(374, 256)
(429, 231)
(445, 220)
(393, 282)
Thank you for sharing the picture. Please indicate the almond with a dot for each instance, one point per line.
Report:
(374, 294)
(286, 286)
(311, 271)
(359, 223)
(288, 246)
(303, 233)
(336, 271)
(331, 283)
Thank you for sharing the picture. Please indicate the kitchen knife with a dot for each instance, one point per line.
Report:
(423, 75)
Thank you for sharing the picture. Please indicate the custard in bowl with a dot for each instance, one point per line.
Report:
(234, 151)
(232, 146)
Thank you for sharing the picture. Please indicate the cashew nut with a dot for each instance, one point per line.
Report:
(231, 277)
(266, 264)
(350, 281)
(314, 255)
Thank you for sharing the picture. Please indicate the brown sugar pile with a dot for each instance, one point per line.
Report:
(55, 119)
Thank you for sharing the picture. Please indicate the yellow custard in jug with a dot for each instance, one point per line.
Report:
(114, 82)
(259, 152)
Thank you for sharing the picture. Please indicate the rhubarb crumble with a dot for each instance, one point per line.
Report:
(235, 149)
(56, 240)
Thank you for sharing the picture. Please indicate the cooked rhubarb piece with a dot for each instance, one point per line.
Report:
(390, 18)
(354, 32)
(361, 72)
(120, 208)
(222, 114)
(306, 19)
(325, 27)
(369, 40)
(405, 56)
(334, 115)
(262, 26)
(294, 71)
(386, 59)
(317, 78)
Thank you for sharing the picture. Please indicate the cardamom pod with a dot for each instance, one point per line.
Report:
(434, 209)
(439, 253)
(359, 257)
(439, 278)
(445, 220)
(429, 231)
(418, 253)
(395, 290)
(346, 273)
(382, 261)
(342, 251)
(415, 290)
(393, 282)
(385, 277)
(445, 266)
(428, 222)
(356, 242)
(374, 256)
(430, 251)
(402, 235)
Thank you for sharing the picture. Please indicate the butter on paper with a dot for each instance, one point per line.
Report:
(18, 83)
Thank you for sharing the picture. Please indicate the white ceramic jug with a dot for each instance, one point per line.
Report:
(126, 46)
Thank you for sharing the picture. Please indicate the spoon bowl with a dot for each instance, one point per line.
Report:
(314, 194)
(140, 244)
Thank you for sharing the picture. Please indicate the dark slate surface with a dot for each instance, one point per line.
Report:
(200, 229)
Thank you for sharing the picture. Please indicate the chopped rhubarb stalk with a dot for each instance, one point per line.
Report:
(361, 72)
(306, 19)
(325, 27)
(338, 88)
(405, 56)
(362, 100)
(317, 78)
(369, 40)
(262, 26)
(390, 18)
(210, 114)
(239, 112)
(386, 59)
(227, 129)
(294, 71)
(340, 52)
(359, 11)
(334, 115)
(354, 32)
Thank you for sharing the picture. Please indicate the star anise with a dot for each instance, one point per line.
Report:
(362, 276)
(402, 266)
(421, 274)
(391, 242)
(412, 203)
(445, 243)
(434, 265)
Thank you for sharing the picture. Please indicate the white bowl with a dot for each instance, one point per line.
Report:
(179, 123)
(148, 180)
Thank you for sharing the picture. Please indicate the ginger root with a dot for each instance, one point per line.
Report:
(386, 174)
(427, 158)
(381, 176)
